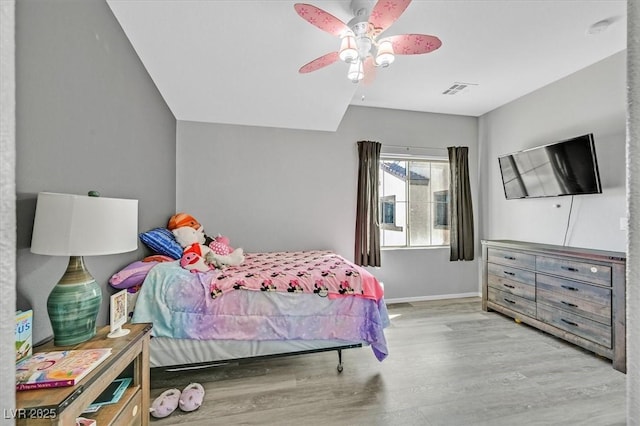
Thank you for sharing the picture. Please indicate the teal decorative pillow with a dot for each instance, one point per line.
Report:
(162, 241)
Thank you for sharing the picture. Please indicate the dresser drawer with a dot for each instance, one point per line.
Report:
(511, 258)
(513, 302)
(575, 324)
(528, 291)
(583, 271)
(514, 274)
(576, 290)
(595, 311)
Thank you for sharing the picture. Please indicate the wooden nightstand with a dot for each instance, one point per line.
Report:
(61, 406)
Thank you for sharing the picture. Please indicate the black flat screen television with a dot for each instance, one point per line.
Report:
(568, 167)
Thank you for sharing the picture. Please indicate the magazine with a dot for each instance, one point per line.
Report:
(57, 368)
(24, 324)
(110, 395)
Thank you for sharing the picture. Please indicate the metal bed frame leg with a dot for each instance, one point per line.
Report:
(340, 368)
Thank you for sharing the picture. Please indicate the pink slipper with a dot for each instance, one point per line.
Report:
(165, 404)
(191, 397)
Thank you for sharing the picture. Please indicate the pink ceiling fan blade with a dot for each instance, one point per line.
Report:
(386, 12)
(369, 71)
(413, 44)
(321, 19)
(318, 63)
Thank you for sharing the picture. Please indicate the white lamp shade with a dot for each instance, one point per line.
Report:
(385, 53)
(348, 49)
(356, 71)
(79, 225)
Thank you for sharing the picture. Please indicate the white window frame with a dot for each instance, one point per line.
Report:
(387, 198)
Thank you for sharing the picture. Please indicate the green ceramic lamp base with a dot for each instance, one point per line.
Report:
(73, 305)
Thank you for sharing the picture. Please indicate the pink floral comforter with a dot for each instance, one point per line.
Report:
(315, 272)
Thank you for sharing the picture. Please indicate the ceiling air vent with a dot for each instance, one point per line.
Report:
(458, 87)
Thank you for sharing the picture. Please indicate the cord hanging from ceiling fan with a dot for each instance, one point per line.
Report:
(360, 45)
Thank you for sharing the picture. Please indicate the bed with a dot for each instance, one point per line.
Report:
(273, 304)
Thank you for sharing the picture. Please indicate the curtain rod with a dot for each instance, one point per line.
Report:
(413, 147)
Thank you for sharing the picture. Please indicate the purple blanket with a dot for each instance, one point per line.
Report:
(179, 305)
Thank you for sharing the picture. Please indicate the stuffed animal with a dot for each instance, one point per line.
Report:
(194, 256)
(193, 260)
(200, 255)
(220, 245)
(223, 255)
(179, 220)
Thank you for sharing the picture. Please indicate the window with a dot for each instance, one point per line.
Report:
(388, 213)
(414, 202)
(441, 216)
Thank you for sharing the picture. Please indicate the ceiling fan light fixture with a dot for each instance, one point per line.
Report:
(385, 56)
(360, 46)
(364, 44)
(348, 49)
(356, 71)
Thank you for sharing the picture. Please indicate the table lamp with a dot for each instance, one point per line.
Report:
(77, 226)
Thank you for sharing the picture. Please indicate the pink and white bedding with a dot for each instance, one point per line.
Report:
(283, 296)
(318, 272)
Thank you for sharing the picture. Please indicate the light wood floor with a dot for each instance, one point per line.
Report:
(450, 364)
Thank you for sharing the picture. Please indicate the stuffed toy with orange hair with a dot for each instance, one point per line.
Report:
(202, 253)
(179, 220)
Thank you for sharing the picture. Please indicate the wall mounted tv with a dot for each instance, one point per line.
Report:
(568, 167)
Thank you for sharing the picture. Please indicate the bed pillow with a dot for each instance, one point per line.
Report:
(131, 275)
(158, 258)
(162, 241)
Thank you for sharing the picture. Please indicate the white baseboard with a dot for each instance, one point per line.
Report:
(426, 298)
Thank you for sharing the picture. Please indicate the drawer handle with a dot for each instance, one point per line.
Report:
(569, 322)
(508, 285)
(569, 304)
(510, 258)
(509, 273)
(568, 287)
(510, 301)
(569, 268)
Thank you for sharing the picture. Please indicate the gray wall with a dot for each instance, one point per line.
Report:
(277, 189)
(88, 118)
(633, 200)
(592, 100)
(7, 207)
(108, 81)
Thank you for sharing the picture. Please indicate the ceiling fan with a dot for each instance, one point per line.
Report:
(361, 45)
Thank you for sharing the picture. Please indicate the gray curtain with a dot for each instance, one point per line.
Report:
(367, 250)
(461, 207)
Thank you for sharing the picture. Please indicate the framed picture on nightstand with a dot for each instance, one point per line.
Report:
(118, 314)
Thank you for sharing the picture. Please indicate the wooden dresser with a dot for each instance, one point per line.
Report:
(61, 406)
(573, 293)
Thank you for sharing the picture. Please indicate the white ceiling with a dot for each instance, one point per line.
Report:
(236, 62)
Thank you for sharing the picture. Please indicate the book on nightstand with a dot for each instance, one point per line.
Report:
(57, 368)
(24, 343)
(110, 395)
